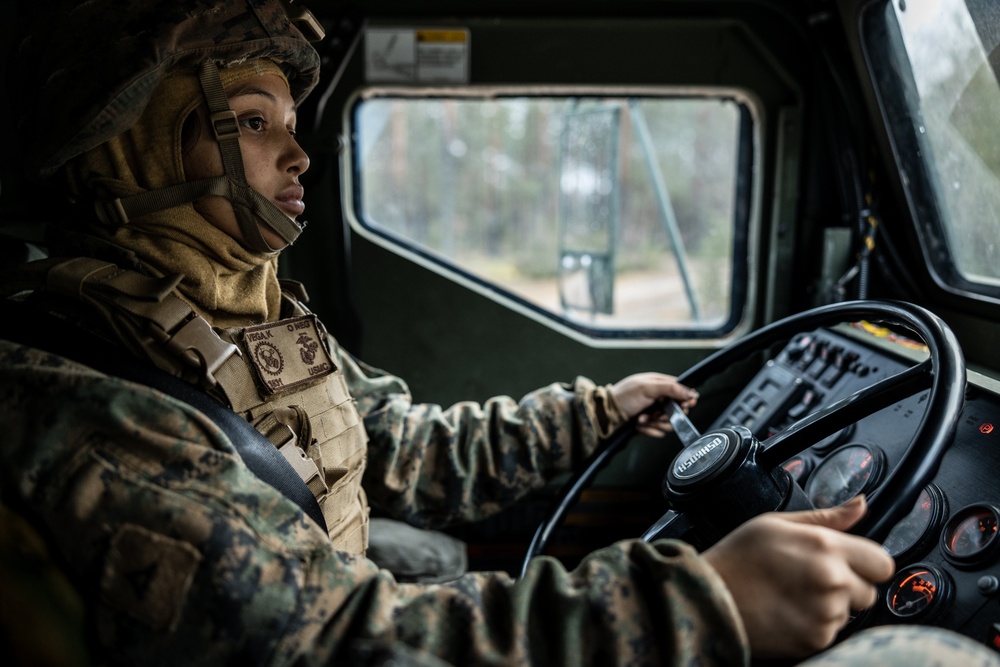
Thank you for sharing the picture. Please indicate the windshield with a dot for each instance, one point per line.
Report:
(935, 65)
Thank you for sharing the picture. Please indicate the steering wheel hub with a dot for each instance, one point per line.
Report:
(718, 476)
(705, 458)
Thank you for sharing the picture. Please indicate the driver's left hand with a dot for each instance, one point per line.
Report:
(637, 392)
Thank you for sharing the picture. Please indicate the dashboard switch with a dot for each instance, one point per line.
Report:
(802, 408)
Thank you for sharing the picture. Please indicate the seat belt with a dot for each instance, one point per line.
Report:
(38, 329)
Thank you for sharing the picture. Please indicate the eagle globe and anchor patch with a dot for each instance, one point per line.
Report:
(287, 354)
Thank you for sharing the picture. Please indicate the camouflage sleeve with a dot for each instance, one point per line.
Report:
(907, 646)
(432, 466)
(182, 556)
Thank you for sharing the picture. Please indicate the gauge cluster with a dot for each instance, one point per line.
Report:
(947, 549)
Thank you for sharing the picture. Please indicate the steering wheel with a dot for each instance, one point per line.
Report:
(725, 477)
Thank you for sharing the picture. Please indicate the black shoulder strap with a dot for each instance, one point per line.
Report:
(34, 328)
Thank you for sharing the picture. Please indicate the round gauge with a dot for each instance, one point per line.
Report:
(918, 590)
(971, 535)
(797, 467)
(914, 530)
(850, 470)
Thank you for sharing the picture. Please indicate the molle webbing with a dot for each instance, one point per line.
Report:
(309, 416)
(148, 318)
(144, 315)
(42, 329)
(152, 322)
(323, 421)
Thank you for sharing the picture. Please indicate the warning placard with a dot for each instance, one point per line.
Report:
(430, 55)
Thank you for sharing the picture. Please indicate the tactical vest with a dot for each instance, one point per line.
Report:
(279, 376)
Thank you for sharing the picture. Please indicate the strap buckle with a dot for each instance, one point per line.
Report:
(199, 346)
(303, 465)
(225, 124)
(111, 212)
(305, 21)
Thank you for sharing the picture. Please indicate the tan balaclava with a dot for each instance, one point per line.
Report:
(225, 282)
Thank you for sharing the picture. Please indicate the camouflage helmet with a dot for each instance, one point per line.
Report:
(95, 68)
(88, 87)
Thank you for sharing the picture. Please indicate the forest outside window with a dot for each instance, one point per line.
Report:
(620, 216)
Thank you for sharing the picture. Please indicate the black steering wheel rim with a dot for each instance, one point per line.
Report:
(943, 373)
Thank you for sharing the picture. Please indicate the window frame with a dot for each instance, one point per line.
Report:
(746, 212)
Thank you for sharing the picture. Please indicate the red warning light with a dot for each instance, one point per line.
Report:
(994, 636)
(986, 428)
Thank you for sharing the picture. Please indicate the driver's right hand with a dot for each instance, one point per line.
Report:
(796, 577)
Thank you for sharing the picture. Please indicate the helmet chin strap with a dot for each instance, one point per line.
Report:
(251, 208)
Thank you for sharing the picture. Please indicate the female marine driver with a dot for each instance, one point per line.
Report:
(182, 554)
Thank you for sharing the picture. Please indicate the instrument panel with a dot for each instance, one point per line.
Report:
(947, 549)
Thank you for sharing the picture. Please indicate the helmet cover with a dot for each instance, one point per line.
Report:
(93, 69)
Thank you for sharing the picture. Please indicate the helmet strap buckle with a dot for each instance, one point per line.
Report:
(225, 125)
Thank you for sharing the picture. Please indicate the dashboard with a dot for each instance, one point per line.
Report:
(947, 549)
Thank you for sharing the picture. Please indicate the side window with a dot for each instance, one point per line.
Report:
(937, 68)
(622, 217)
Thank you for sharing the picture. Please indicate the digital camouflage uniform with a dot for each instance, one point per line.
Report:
(183, 555)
